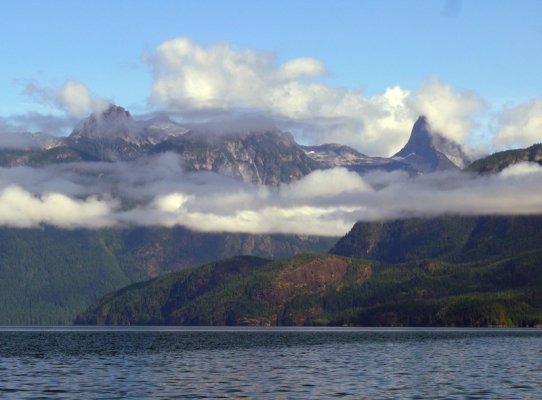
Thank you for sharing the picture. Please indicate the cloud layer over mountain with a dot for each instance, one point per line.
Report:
(194, 81)
(156, 191)
(188, 77)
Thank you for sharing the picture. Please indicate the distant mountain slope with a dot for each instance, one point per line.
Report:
(46, 276)
(264, 157)
(451, 238)
(496, 162)
(158, 250)
(426, 151)
(335, 155)
(332, 290)
(49, 275)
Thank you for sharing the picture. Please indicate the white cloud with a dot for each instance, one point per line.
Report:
(20, 208)
(192, 77)
(448, 111)
(301, 67)
(72, 97)
(310, 206)
(520, 126)
(219, 76)
(326, 202)
(325, 183)
(521, 169)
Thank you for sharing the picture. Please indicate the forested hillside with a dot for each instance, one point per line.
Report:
(49, 275)
(333, 290)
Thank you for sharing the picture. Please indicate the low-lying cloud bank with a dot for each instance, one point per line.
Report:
(156, 191)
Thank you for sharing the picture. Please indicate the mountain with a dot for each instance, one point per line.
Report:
(332, 155)
(496, 162)
(114, 122)
(332, 290)
(429, 151)
(426, 151)
(452, 238)
(268, 157)
(49, 275)
(264, 156)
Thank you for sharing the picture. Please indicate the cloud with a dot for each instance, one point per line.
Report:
(188, 77)
(157, 192)
(325, 183)
(520, 169)
(14, 140)
(72, 97)
(519, 126)
(20, 208)
(16, 131)
(448, 111)
(45, 123)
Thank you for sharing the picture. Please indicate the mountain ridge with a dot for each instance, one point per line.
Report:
(335, 291)
(263, 155)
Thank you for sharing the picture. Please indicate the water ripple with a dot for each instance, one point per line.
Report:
(273, 364)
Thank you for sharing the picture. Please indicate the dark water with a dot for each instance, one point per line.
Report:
(269, 363)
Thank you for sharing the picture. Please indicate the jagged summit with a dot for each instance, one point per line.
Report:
(428, 150)
(116, 122)
(113, 122)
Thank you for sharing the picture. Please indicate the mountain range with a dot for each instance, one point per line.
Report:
(49, 275)
(264, 156)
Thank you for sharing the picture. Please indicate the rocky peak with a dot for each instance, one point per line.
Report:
(420, 142)
(113, 122)
(429, 151)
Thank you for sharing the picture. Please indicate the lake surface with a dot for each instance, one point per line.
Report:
(164, 363)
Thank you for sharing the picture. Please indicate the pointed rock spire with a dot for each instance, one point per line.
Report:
(419, 142)
(429, 151)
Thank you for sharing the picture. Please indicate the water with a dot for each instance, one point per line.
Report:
(164, 363)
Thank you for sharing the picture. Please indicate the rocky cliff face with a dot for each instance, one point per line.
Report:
(267, 156)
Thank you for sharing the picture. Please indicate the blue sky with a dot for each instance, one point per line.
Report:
(488, 49)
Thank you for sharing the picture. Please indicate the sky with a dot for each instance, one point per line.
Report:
(350, 71)
(346, 71)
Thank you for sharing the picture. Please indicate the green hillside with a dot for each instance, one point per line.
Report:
(49, 275)
(334, 290)
(457, 239)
